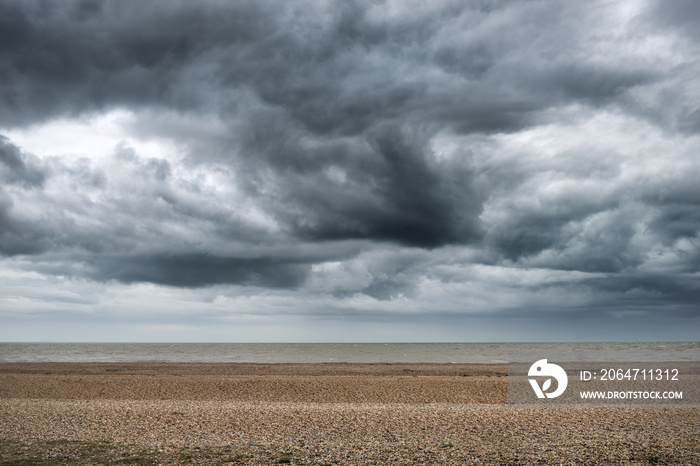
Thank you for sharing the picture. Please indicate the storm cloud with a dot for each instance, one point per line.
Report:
(356, 162)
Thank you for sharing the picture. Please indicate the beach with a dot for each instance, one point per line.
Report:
(340, 413)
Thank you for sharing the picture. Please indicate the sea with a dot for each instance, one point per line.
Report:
(346, 352)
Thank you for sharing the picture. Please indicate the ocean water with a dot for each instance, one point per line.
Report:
(344, 352)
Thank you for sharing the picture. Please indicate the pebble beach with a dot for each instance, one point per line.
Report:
(146, 413)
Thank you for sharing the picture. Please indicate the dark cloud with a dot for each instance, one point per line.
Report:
(16, 237)
(647, 291)
(387, 187)
(69, 58)
(22, 170)
(680, 17)
(195, 270)
(676, 208)
(333, 70)
(588, 240)
(360, 149)
(677, 221)
(322, 75)
(16, 167)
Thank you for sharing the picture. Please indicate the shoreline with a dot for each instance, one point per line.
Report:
(259, 368)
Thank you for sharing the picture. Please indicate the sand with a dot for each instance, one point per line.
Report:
(315, 414)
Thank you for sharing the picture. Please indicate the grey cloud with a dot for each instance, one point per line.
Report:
(324, 146)
(676, 206)
(16, 236)
(388, 188)
(325, 76)
(335, 71)
(680, 16)
(196, 270)
(677, 221)
(644, 291)
(135, 220)
(321, 84)
(589, 83)
(691, 124)
(596, 222)
(593, 241)
(610, 236)
(532, 224)
(384, 288)
(68, 59)
(16, 167)
(389, 276)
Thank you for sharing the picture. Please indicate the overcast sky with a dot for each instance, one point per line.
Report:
(349, 171)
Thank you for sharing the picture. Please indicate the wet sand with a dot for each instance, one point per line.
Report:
(316, 414)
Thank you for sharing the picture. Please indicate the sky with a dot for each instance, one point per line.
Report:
(360, 171)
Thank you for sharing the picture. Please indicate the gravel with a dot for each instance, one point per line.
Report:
(327, 419)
